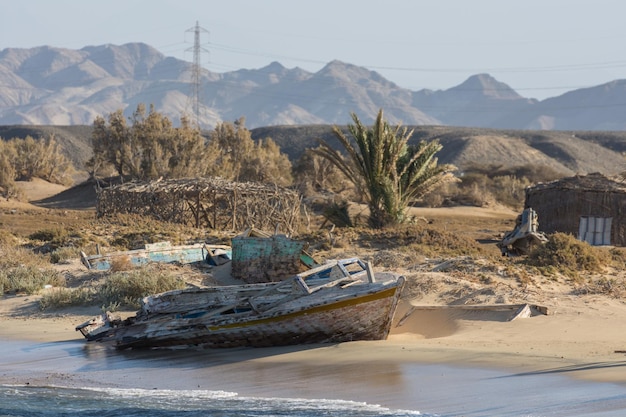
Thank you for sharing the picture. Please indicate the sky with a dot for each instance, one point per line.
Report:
(540, 48)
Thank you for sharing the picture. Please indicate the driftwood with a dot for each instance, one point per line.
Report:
(211, 203)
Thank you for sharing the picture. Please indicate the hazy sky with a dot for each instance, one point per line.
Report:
(541, 48)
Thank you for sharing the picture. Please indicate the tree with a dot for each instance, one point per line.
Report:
(150, 147)
(8, 187)
(230, 147)
(233, 155)
(42, 159)
(387, 171)
(318, 173)
(267, 164)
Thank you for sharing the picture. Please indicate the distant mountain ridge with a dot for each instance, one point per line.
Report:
(57, 86)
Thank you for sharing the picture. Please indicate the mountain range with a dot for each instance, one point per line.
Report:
(56, 86)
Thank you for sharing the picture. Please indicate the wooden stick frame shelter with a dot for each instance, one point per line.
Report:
(211, 203)
(561, 204)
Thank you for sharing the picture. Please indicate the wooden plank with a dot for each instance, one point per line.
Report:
(486, 307)
(522, 313)
(370, 272)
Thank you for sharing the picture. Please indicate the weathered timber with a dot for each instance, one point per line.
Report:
(317, 306)
(161, 252)
(211, 203)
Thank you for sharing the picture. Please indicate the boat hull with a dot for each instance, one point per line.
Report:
(340, 301)
(161, 253)
(366, 317)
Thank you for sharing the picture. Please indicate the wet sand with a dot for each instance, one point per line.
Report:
(389, 374)
(438, 360)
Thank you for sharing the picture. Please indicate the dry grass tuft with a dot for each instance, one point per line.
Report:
(613, 287)
(419, 285)
(568, 256)
(121, 263)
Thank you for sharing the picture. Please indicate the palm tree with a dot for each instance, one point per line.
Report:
(387, 172)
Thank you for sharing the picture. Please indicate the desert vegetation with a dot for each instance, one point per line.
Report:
(379, 176)
(387, 172)
(30, 260)
(27, 158)
(149, 147)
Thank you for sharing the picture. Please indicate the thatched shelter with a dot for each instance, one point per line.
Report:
(590, 207)
(206, 202)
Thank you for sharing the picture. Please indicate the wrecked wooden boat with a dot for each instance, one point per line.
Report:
(163, 252)
(337, 302)
(524, 236)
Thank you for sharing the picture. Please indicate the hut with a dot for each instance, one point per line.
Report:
(211, 203)
(590, 207)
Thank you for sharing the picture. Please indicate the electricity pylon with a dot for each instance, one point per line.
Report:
(196, 69)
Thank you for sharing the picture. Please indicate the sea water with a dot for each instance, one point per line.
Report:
(26, 401)
(51, 401)
(74, 378)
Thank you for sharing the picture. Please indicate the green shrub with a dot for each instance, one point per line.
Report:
(64, 254)
(29, 279)
(129, 287)
(337, 213)
(65, 297)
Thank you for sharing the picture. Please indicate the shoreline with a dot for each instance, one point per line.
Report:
(584, 346)
(443, 362)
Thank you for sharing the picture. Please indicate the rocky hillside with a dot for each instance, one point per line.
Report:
(56, 86)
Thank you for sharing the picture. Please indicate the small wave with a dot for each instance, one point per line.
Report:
(114, 402)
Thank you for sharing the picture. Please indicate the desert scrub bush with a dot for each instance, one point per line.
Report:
(29, 279)
(133, 231)
(569, 255)
(618, 257)
(472, 190)
(509, 190)
(49, 235)
(63, 254)
(53, 239)
(431, 242)
(14, 256)
(7, 238)
(420, 240)
(612, 287)
(62, 297)
(122, 263)
(128, 288)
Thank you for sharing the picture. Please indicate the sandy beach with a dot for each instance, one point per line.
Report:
(582, 337)
(447, 362)
(441, 342)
